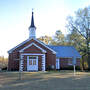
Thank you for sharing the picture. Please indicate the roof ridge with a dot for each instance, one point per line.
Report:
(27, 41)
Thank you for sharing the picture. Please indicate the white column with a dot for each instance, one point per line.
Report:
(21, 63)
(43, 62)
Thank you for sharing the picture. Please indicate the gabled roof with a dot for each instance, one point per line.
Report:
(65, 51)
(11, 50)
(44, 51)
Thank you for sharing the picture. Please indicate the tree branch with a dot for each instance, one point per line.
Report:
(78, 31)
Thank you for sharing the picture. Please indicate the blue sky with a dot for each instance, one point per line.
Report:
(49, 16)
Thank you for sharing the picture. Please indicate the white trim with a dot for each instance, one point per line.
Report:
(21, 63)
(30, 46)
(31, 54)
(45, 46)
(43, 62)
(10, 51)
(43, 59)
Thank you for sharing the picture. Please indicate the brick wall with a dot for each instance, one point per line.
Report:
(78, 61)
(13, 64)
(64, 62)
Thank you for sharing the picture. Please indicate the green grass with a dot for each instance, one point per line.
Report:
(53, 80)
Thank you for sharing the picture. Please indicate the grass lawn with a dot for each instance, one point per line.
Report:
(53, 80)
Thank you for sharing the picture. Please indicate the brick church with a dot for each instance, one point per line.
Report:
(34, 55)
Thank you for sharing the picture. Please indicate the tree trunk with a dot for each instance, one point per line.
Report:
(88, 61)
(82, 63)
(88, 52)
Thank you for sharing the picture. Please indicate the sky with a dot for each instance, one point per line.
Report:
(49, 16)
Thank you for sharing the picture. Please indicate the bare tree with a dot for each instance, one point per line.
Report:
(81, 23)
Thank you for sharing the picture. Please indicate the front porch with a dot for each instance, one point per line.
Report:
(32, 62)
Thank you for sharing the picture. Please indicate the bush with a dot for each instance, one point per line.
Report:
(70, 68)
(50, 67)
(5, 68)
(78, 68)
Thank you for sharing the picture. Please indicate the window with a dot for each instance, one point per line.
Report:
(34, 62)
(70, 61)
(30, 62)
(32, 57)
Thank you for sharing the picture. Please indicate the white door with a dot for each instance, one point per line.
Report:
(32, 63)
(57, 63)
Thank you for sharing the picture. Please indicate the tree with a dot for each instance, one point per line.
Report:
(3, 62)
(46, 39)
(76, 40)
(81, 24)
(58, 38)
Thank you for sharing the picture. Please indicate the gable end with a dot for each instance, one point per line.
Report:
(44, 51)
(10, 51)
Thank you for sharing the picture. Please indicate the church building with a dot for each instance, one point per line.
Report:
(34, 55)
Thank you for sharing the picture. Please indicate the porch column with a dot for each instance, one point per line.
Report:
(21, 63)
(43, 62)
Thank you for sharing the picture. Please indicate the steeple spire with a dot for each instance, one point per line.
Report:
(32, 28)
(32, 20)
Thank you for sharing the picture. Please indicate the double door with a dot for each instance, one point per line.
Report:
(32, 63)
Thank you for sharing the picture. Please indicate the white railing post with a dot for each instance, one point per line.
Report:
(21, 63)
(43, 62)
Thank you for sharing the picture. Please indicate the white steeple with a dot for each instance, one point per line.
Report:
(32, 28)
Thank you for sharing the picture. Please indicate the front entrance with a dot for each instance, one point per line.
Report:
(32, 63)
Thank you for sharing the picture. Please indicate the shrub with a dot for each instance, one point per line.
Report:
(50, 67)
(4, 68)
(70, 68)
